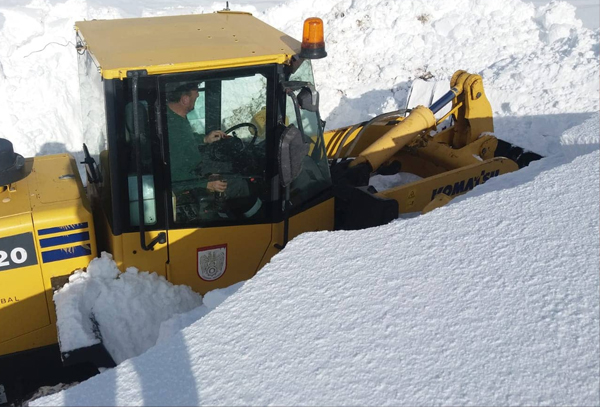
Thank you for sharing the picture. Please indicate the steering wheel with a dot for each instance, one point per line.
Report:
(252, 128)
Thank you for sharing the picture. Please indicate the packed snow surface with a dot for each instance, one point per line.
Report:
(491, 300)
(587, 10)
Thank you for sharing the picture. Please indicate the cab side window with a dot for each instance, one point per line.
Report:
(146, 136)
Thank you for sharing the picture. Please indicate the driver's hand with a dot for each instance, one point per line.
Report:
(213, 136)
(217, 186)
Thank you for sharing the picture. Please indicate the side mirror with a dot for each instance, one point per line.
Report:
(292, 149)
(308, 99)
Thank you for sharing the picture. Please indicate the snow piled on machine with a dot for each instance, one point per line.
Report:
(124, 310)
(490, 300)
(128, 312)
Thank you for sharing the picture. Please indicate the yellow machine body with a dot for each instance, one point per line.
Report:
(253, 245)
(47, 232)
(199, 42)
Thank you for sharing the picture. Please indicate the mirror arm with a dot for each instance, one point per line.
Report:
(93, 177)
(291, 94)
(294, 85)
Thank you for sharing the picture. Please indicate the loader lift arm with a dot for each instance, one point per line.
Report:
(450, 162)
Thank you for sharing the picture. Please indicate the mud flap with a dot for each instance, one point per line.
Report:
(358, 208)
(96, 354)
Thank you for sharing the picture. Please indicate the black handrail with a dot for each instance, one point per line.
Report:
(161, 238)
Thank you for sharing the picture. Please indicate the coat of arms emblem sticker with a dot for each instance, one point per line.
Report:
(212, 262)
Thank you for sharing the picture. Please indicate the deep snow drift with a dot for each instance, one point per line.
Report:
(490, 300)
(538, 65)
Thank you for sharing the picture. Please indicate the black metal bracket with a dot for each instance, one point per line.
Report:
(358, 208)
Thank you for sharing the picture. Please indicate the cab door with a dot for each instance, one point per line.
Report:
(129, 197)
(221, 206)
(209, 258)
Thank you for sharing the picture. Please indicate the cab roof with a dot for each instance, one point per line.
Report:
(183, 43)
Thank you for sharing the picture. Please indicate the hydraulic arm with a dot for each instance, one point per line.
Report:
(472, 118)
(447, 158)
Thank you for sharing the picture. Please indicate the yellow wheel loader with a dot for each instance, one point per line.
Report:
(204, 154)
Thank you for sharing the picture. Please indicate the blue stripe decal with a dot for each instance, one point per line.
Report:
(63, 254)
(66, 228)
(60, 240)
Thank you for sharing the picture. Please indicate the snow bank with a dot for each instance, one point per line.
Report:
(211, 300)
(491, 300)
(39, 107)
(539, 67)
(530, 59)
(124, 309)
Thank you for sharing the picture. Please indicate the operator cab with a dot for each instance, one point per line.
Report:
(251, 108)
(158, 167)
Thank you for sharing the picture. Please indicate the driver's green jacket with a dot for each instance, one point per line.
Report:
(184, 154)
(191, 162)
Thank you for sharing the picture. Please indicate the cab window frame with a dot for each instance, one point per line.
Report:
(270, 73)
(117, 96)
